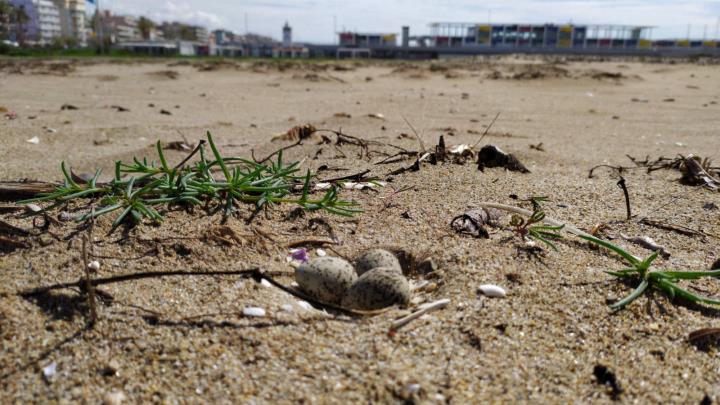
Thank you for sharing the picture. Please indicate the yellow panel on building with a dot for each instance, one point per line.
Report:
(710, 44)
(644, 43)
(483, 34)
(389, 38)
(683, 43)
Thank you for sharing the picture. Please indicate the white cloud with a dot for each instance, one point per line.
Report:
(189, 12)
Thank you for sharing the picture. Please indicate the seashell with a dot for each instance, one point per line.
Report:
(33, 208)
(378, 288)
(325, 278)
(253, 311)
(491, 290)
(374, 258)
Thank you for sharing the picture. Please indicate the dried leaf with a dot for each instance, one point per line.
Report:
(695, 174)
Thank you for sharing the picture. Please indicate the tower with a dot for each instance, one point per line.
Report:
(287, 35)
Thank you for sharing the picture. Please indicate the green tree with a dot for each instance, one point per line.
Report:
(145, 25)
(6, 11)
(19, 18)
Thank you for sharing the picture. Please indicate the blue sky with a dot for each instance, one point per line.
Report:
(313, 20)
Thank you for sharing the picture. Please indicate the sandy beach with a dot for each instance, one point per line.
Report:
(553, 339)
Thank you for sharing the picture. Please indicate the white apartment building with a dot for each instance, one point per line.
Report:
(48, 17)
(72, 20)
(49, 20)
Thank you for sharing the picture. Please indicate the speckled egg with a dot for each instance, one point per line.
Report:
(326, 278)
(376, 289)
(374, 258)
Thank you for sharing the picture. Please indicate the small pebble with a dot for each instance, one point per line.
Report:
(265, 283)
(34, 140)
(325, 278)
(320, 252)
(94, 265)
(65, 216)
(254, 311)
(376, 289)
(491, 290)
(114, 398)
(112, 367)
(374, 258)
(287, 308)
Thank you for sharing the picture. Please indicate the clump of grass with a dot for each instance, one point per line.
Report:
(141, 186)
(640, 270)
(530, 229)
(662, 280)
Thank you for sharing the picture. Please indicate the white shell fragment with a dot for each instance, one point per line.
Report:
(320, 252)
(325, 278)
(374, 258)
(94, 265)
(33, 208)
(460, 149)
(49, 371)
(114, 398)
(305, 305)
(351, 185)
(376, 289)
(34, 140)
(491, 290)
(254, 311)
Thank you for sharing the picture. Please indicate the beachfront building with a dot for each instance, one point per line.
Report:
(536, 36)
(288, 49)
(357, 39)
(72, 20)
(164, 47)
(286, 35)
(227, 44)
(201, 34)
(52, 22)
(43, 23)
(120, 28)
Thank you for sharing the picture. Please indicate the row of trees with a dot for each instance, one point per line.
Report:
(12, 19)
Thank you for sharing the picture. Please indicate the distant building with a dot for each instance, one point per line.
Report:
(355, 39)
(221, 36)
(536, 36)
(286, 35)
(227, 44)
(120, 28)
(43, 26)
(291, 52)
(165, 48)
(72, 20)
(201, 34)
(184, 32)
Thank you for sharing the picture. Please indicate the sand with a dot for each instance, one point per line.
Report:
(185, 339)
